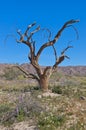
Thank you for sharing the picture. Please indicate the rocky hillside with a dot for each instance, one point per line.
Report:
(68, 70)
(73, 70)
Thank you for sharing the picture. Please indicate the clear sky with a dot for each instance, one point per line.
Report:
(52, 14)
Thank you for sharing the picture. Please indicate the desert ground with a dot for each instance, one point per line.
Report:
(23, 106)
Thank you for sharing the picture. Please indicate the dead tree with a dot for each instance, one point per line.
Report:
(43, 75)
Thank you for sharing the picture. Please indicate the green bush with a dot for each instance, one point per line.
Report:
(57, 89)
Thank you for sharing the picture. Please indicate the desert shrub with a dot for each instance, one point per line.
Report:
(50, 122)
(11, 73)
(4, 108)
(26, 107)
(57, 89)
(36, 88)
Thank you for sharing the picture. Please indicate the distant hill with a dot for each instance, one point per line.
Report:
(66, 70)
(73, 70)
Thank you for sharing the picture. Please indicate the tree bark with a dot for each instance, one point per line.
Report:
(43, 83)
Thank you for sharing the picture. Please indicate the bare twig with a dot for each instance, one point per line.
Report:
(62, 57)
(48, 32)
(76, 31)
(55, 53)
(66, 49)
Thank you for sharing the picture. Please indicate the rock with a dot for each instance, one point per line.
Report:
(50, 94)
(39, 96)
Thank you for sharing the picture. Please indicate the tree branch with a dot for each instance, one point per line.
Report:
(21, 69)
(46, 69)
(31, 34)
(28, 75)
(62, 57)
(67, 24)
(34, 76)
(28, 28)
(48, 32)
(66, 49)
(75, 29)
(55, 53)
(52, 42)
(29, 42)
(59, 60)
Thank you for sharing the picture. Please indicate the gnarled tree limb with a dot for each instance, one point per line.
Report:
(29, 42)
(21, 69)
(62, 57)
(66, 49)
(28, 75)
(55, 53)
(52, 42)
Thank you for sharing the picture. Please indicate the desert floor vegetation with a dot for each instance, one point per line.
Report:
(25, 106)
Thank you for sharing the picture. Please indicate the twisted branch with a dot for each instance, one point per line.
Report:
(62, 57)
(52, 42)
(28, 75)
(21, 69)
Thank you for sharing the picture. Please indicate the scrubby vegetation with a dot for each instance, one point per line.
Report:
(12, 74)
(64, 109)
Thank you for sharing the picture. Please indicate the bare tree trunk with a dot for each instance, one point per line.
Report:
(43, 83)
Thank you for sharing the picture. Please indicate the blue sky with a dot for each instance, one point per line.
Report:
(52, 14)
